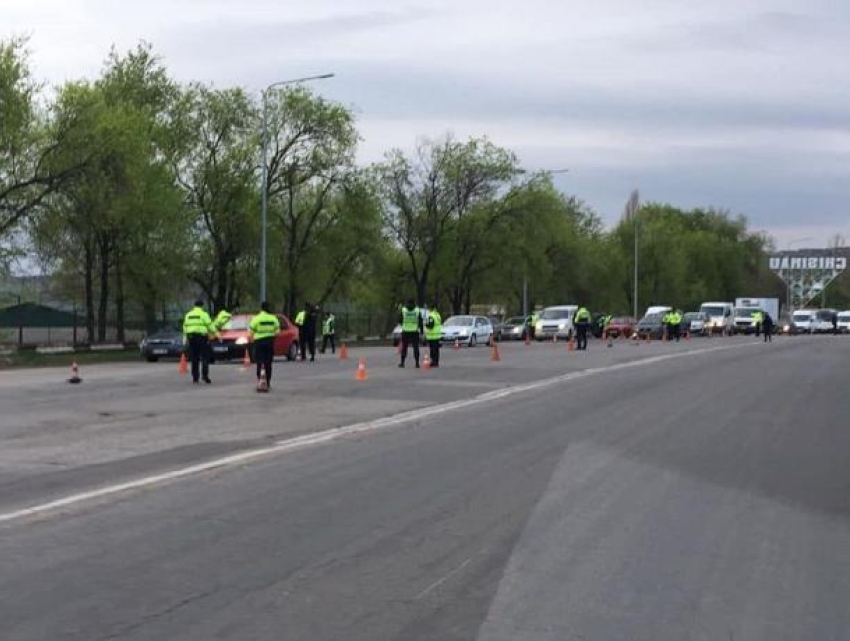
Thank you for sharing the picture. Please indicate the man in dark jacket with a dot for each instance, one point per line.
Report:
(307, 331)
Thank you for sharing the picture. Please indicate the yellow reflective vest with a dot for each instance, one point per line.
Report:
(264, 325)
(197, 321)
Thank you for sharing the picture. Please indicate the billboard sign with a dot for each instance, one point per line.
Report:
(807, 274)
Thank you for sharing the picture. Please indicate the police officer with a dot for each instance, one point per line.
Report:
(263, 329)
(411, 328)
(767, 327)
(758, 321)
(306, 321)
(222, 319)
(197, 327)
(300, 317)
(676, 318)
(329, 333)
(667, 320)
(434, 334)
(582, 322)
(532, 325)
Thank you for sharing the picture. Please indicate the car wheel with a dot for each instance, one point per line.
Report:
(151, 359)
(473, 341)
(292, 352)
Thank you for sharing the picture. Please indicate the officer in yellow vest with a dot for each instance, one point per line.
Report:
(263, 329)
(329, 333)
(411, 329)
(582, 320)
(197, 328)
(434, 334)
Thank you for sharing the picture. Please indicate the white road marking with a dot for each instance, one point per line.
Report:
(440, 582)
(333, 434)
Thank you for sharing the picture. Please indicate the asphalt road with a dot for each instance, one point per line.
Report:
(692, 491)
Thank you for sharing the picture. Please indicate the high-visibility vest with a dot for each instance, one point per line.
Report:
(197, 321)
(410, 319)
(435, 331)
(300, 317)
(582, 315)
(222, 319)
(264, 325)
(328, 326)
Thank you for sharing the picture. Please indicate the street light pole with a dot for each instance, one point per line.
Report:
(265, 185)
(525, 272)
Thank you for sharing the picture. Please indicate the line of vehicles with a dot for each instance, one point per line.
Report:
(713, 318)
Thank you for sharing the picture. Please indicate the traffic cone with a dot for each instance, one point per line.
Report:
(343, 352)
(75, 374)
(361, 370)
(610, 342)
(263, 383)
(457, 344)
(688, 336)
(571, 345)
(183, 367)
(426, 362)
(555, 339)
(494, 353)
(246, 362)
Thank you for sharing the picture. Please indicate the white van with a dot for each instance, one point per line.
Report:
(555, 321)
(721, 318)
(844, 322)
(802, 321)
(653, 310)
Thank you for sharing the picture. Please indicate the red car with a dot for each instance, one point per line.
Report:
(621, 326)
(235, 338)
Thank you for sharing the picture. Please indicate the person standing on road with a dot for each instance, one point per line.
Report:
(411, 329)
(582, 322)
(434, 334)
(197, 328)
(835, 323)
(767, 327)
(676, 318)
(329, 333)
(758, 321)
(307, 330)
(263, 329)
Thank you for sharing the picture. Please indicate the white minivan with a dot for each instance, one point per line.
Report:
(844, 322)
(555, 321)
(802, 321)
(720, 318)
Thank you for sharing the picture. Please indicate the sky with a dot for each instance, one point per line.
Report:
(740, 105)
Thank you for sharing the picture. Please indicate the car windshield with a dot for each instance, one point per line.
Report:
(692, 316)
(802, 316)
(555, 314)
(824, 315)
(622, 320)
(652, 318)
(746, 311)
(711, 310)
(238, 323)
(459, 321)
(516, 320)
(844, 316)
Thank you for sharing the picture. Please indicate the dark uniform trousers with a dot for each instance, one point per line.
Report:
(308, 342)
(328, 338)
(407, 339)
(199, 355)
(434, 352)
(264, 356)
(581, 334)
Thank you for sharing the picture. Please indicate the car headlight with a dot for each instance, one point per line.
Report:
(538, 327)
(242, 340)
(562, 325)
(463, 332)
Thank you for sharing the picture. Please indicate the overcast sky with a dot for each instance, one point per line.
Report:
(742, 105)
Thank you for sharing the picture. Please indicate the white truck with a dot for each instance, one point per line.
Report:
(769, 305)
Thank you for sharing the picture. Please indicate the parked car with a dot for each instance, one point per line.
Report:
(802, 321)
(555, 321)
(235, 339)
(621, 326)
(597, 324)
(652, 326)
(784, 325)
(513, 329)
(166, 343)
(844, 322)
(468, 330)
(695, 323)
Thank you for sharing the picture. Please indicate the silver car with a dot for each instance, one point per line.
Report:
(468, 330)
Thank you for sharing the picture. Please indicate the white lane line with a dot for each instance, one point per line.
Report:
(440, 582)
(327, 436)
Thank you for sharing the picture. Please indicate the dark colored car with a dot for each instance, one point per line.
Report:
(512, 329)
(651, 326)
(621, 326)
(166, 343)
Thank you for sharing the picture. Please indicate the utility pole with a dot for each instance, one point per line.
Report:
(631, 211)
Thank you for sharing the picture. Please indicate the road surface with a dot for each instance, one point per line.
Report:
(691, 491)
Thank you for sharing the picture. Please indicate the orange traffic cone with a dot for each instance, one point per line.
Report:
(75, 374)
(183, 367)
(246, 362)
(361, 370)
(571, 345)
(494, 353)
(426, 362)
(343, 352)
(263, 383)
